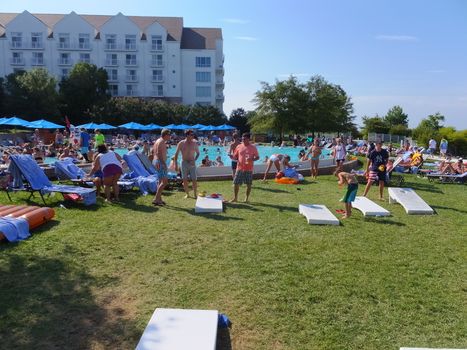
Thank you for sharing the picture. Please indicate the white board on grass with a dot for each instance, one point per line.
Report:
(368, 207)
(208, 205)
(410, 200)
(177, 329)
(317, 214)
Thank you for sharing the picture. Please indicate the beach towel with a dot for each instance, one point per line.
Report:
(14, 229)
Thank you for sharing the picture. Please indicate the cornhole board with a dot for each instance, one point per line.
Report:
(317, 214)
(175, 329)
(368, 207)
(410, 200)
(209, 205)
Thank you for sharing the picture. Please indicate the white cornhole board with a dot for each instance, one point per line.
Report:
(368, 207)
(317, 214)
(410, 200)
(177, 329)
(208, 205)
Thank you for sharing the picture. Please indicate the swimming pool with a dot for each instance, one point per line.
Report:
(213, 151)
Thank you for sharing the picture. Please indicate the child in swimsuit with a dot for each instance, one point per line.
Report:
(351, 193)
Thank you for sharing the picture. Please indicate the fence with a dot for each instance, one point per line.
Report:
(372, 136)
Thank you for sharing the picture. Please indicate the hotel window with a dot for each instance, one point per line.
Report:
(156, 42)
(63, 41)
(131, 90)
(157, 75)
(64, 72)
(85, 57)
(112, 74)
(83, 41)
(113, 89)
(111, 59)
(17, 58)
(111, 41)
(16, 39)
(131, 75)
(36, 40)
(157, 60)
(203, 77)
(159, 90)
(130, 42)
(203, 61)
(64, 58)
(130, 60)
(203, 91)
(37, 58)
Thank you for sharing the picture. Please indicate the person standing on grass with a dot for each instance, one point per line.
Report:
(339, 154)
(84, 139)
(376, 168)
(245, 154)
(160, 163)
(432, 146)
(352, 188)
(190, 153)
(315, 152)
(233, 145)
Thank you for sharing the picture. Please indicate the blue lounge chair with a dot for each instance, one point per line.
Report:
(143, 179)
(28, 176)
(173, 179)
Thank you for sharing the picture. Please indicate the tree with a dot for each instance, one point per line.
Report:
(374, 124)
(239, 119)
(428, 128)
(399, 129)
(31, 94)
(396, 116)
(281, 107)
(82, 91)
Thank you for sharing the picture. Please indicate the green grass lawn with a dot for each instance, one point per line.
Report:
(92, 278)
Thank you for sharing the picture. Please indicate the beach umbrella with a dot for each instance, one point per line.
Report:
(133, 126)
(184, 127)
(225, 127)
(198, 126)
(105, 126)
(15, 121)
(209, 128)
(44, 124)
(89, 126)
(153, 126)
(171, 126)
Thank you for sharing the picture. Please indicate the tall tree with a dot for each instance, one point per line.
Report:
(280, 108)
(428, 128)
(239, 119)
(32, 95)
(374, 124)
(396, 116)
(82, 91)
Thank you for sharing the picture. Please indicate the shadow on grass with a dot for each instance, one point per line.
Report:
(223, 339)
(422, 187)
(448, 208)
(213, 216)
(281, 208)
(48, 303)
(273, 190)
(383, 221)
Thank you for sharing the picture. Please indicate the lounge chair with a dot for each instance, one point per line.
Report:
(66, 169)
(143, 179)
(447, 178)
(173, 179)
(170, 329)
(209, 205)
(28, 176)
(369, 208)
(317, 214)
(410, 200)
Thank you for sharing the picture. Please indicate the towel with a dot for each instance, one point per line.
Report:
(30, 170)
(66, 169)
(135, 165)
(14, 229)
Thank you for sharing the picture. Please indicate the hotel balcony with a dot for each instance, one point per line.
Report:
(65, 62)
(131, 63)
(17, 61)
(131, 78)
(26, 45)
(157, 47)
(119, 47)
(157, 79)
(220, 70)
(37, 62)
(132, 93)
(113, 79)
(157, 63)
(220, 97)
(74, 46)
(111, 62)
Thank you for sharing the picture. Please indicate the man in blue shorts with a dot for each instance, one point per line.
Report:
(160, 163)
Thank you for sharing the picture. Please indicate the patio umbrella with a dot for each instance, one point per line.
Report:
(89, 126)
(225, 127)
(105, 126)
(198, 126)
(209, 128)
(171, 126)
(44, 124)
(183, 127)
(133, 126)
(15, 121)
(153, 126)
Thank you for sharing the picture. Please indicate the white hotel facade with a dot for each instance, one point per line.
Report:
(150, 57)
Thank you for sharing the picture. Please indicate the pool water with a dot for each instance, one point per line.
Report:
(213, 151)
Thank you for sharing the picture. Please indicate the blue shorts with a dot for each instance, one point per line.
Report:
(350, 194)
(84, 150)
(162, 171)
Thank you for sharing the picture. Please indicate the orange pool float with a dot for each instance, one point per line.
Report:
(287, 181)
(34, 215)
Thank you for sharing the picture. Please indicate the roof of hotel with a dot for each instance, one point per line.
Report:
(189, 38)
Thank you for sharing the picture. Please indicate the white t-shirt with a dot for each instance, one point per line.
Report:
(432, 144)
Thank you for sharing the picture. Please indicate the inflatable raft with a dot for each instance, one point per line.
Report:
(17, 220)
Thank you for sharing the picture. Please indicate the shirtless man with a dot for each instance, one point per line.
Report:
(315, 152)
(190, 153)
(234, 145)
(160, 163)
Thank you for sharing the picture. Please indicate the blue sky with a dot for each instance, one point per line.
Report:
(411, 53)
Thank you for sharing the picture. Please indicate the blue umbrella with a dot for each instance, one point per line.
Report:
(89, 126)
(133, 126)
(198, 126)
(44, 124)
(15, 121)
(209, 128)
(105, 126)
(171, 126)
(225, 127)
(153, 126)
(183, 127)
